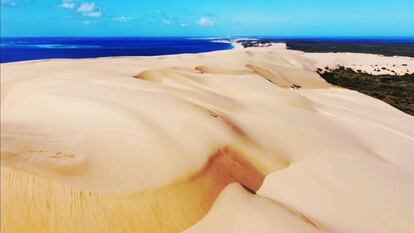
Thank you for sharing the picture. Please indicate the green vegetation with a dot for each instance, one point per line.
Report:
(397, 91)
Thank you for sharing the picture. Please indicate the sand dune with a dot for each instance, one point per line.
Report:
(359, 62)
(248, 140)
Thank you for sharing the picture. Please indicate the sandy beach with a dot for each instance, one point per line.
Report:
(244, 140)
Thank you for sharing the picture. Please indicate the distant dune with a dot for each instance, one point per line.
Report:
(368, 63)
(247, 140)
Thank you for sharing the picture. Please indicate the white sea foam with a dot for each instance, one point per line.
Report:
(18, 44)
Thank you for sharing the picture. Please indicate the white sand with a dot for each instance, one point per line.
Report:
(147, 144)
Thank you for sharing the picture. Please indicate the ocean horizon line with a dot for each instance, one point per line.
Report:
(228, 37)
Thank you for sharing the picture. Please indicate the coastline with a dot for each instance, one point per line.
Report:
(360, 67)
(333, 60)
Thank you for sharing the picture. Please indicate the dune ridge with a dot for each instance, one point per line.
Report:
(148, 144)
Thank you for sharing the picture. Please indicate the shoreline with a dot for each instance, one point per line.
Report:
(385, 46)
(373, 64)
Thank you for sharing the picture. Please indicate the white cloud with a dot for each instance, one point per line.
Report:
(89, 10)
(205, 22)
(67, 4)
(183, 25)
(123, 19)
(86, 7)
(8, 2)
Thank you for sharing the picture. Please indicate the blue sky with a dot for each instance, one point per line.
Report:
(207, 18)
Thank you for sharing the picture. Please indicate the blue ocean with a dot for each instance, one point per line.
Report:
(23, 49)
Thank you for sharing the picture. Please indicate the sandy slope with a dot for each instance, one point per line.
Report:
(148, 144)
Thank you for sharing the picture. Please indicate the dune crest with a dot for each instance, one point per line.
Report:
(147, 145)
